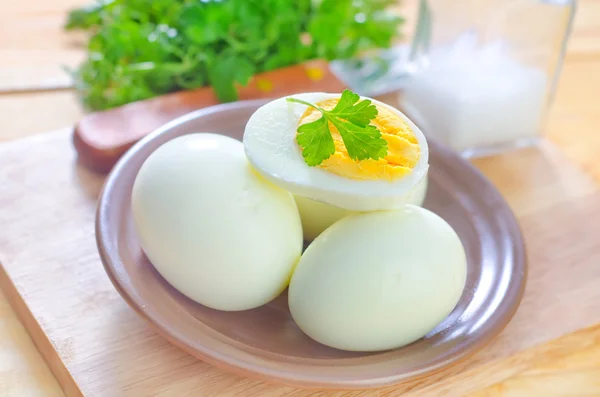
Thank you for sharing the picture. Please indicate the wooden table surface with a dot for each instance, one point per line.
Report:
(34, 98)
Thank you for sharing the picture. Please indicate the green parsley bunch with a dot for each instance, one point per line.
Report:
(142, 48)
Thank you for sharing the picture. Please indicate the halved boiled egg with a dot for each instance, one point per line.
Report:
(339, 181)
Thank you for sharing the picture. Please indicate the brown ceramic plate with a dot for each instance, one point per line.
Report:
(265, 343)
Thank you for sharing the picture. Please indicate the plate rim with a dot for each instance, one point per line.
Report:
(232, 364)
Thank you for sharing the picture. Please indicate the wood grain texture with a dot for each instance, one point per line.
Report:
(569, 366)
(33, 47)
(22, 372)
(24, 112)
(97, 346)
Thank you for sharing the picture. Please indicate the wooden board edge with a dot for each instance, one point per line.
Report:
(38, 336)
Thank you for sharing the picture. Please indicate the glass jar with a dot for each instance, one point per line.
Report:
(485, 71)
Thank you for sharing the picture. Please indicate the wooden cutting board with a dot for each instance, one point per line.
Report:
(97, 346)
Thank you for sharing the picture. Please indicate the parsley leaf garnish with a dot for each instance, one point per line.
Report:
(351, 117)
(316, 141)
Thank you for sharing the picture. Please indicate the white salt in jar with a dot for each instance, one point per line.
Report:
(486, 71)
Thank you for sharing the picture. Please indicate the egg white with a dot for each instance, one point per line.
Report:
(271, 147)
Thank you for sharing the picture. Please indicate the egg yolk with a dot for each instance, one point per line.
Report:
(402, 155)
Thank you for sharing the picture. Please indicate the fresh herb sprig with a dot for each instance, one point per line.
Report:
(351, 117)
(139, 49)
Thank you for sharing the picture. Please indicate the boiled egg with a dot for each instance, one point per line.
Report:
(317, 216)
(212, 227)
(378, 280)
(339, 181)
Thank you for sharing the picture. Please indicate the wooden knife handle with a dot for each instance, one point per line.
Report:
(101, 138)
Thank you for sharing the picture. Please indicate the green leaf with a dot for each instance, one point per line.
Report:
(360, 113)
(316, 141)
(84, 18)
(224, 71)
(362, 140)
(362, 143)
(202, 24)
(199, 35)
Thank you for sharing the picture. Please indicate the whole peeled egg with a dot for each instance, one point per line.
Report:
(213, 228)
(317, 216)
(379, 280)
